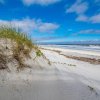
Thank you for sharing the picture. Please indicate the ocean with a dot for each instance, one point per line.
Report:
(78, 47)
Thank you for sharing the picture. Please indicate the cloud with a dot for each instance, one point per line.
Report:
(26, 25)
(95, 18)
(83, 18)
(78, 7)
(89, 31)
(40, 2)
(30, 25)
(45, 38)
(91, 19)
(47, 27)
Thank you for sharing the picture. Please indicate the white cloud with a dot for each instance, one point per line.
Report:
(91, 19)
(82, 18)
(95, 18)
(47, 27)
(78, 7)
(26, 25)
(89, 31)
(30, 25)
(40, 2)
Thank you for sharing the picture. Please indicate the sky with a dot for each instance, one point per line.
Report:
(53, 20)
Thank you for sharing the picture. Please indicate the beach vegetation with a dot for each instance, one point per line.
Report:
(22, 44)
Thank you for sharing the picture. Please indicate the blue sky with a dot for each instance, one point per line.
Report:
(54, 20)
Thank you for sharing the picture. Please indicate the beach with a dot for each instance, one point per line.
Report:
(64, 78)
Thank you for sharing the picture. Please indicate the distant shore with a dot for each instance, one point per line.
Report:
(83, 55)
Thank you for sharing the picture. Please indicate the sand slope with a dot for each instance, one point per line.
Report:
(64, 79)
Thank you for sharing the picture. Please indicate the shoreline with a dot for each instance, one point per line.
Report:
(93, 53)
(86, 56)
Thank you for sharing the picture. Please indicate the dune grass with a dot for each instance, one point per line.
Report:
(23, 44)
(16, 35)
(2, 61)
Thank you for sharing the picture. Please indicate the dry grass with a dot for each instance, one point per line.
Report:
(17, 36)
(22, 47)
(19, 53)
(3, 62)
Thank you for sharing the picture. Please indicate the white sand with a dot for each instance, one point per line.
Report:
(76, 52)
(64, 79)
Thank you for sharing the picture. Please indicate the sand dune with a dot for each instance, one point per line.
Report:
(64, 79)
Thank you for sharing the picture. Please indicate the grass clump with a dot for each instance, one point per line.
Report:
(14, 34)
(39, 53)
(3, 62)
(22, 47)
